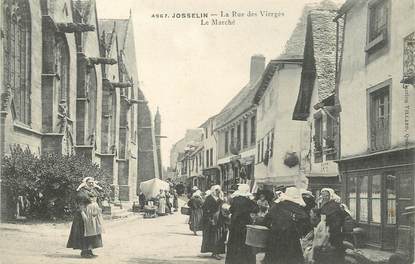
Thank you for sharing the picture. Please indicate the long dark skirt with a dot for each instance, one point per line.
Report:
(213, 239)
(195, 219)
(77, 240)
(237, 251)
(284, 248)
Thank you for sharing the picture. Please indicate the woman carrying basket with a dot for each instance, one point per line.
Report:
(242, 206)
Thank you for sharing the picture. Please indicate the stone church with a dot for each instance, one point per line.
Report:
(69, 85)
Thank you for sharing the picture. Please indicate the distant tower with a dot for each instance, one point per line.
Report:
(157, 132)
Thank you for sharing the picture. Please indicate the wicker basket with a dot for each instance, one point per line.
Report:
(256, 236)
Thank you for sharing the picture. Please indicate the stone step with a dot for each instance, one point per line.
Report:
(115, 212)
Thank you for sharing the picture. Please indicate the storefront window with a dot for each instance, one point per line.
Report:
(391, 199)
(364, 191)
(352, 195)
(376, 198)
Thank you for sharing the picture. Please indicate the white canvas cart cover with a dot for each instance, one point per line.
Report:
(152, 187)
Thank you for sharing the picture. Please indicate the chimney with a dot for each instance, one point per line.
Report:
(257, 67)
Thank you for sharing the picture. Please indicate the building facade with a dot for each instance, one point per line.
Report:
(178, 152)
(278, 136)
(194, 160)
(122, 90)
(69, 84)
(376, 92)
(211, 171)
(316, 102)
(236, 132)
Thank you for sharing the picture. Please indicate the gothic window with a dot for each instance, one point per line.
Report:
(132, 116)
(62, 71)
(17, 56)
(92, 97)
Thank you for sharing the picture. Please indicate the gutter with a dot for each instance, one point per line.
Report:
(344, 9)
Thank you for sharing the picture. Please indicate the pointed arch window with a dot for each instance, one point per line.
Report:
(132, 116)
(62, 70)
(16, 21)
(92, 98)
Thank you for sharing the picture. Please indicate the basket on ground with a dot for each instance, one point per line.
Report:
(256, 236)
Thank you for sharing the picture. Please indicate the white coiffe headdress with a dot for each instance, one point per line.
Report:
(83, 183)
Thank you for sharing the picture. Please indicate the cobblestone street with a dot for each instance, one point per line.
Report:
(132, 240)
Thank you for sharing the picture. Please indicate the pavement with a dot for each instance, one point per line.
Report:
(160, 240)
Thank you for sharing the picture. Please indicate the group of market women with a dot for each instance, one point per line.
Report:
(293, 216)
(167, 202)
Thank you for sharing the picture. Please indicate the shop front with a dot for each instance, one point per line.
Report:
(238, 170)
(377, 188)
(212, 176)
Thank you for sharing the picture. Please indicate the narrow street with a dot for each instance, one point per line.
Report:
(160, 240)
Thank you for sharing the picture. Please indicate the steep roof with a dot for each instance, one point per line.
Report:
(294, 48)
(324, 44)
(238, 105)
(294, 51)
(319, 61)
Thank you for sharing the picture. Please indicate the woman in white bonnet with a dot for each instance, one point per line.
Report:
(87, 223)
(242, 206)
(212, 241)
(288, 222)
(196, 212)
(335, 214)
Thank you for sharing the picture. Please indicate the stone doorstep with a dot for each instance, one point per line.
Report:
(115, 212)
(375, 256)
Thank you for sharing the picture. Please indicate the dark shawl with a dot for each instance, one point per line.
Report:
(335, 216)
(196, 213)
(212, 227)
(288, 222)
(237, 251)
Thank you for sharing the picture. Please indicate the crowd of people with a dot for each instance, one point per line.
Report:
(166, 202)
(302, 228)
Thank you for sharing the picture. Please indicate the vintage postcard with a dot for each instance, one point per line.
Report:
(188, 131)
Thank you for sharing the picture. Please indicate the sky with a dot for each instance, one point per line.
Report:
(190, 71)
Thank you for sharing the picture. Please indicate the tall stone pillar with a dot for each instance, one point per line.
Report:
(157, 131)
